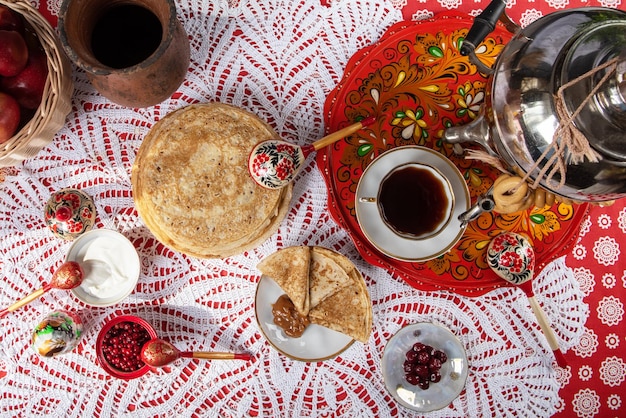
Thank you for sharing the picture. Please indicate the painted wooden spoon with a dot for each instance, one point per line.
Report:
(159, 353)
(512, 257)
(68, 276)
(274, 163)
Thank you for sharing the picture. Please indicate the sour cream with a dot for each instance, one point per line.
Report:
(110, 265)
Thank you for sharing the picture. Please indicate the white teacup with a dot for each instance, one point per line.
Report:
(414, 200)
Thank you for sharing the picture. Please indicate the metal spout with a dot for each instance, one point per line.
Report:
(476, 132)
(482, 205)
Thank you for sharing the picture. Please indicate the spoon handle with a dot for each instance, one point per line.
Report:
(547, 331)
(24, 301)
(342, 133)
(207, 355)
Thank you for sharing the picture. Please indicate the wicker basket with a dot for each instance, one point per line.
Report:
(56, 102)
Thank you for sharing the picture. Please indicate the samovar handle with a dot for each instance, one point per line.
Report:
(483, 25)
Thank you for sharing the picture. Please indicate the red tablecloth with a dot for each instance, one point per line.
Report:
(590, 386)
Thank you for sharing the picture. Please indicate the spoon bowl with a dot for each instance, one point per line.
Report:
(512, 257)
(274, 163)
(68, 276)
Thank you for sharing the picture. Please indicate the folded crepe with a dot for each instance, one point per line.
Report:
(348, 310)
(289, 268)
(326, 277)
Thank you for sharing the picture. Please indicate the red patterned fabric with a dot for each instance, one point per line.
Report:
(593, 384)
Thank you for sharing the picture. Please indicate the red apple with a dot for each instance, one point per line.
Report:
(27, 86)
(13, 53)
(10, 20)
(9, 117)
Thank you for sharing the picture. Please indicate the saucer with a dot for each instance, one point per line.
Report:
(382, 236)
(453, 372)
(317, 343)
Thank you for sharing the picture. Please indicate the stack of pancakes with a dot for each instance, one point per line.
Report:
(191, 184)
(324, 286)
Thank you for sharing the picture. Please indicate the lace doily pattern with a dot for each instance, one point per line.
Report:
(278, 60)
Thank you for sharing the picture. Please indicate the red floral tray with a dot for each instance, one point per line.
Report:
(416, 82)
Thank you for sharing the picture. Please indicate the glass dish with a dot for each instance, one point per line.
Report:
(453, 372)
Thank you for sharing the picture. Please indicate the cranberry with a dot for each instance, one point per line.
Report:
(412, 379)
(122, 344)
(424, 384)
(411, 356)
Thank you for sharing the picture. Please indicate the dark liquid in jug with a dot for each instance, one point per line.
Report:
(125, 36)
(413, 201)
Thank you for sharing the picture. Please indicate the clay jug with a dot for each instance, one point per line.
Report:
(134, 52)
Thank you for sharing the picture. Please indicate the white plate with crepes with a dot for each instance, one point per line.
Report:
(380, 235)
(317, 343)
(322, 286)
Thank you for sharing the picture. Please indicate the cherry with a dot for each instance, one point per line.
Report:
(422, 365)
(423, 357)
(434, 363)
(441, 356)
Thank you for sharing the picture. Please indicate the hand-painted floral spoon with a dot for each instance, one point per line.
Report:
(273, 164)
(68, 276)
(159, 353)
(512, 257)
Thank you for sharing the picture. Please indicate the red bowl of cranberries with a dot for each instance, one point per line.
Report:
(119, 344)
(424, 367)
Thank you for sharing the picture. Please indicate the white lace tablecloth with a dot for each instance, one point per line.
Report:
(278, 59)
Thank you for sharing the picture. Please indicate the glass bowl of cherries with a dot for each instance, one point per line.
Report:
(424, 366)
(119, 345)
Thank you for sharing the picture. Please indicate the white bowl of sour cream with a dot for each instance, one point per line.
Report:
(110, 266)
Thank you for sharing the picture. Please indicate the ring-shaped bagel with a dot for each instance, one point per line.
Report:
(507, 190)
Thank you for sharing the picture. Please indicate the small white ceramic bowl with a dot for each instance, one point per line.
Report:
(110, 265)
